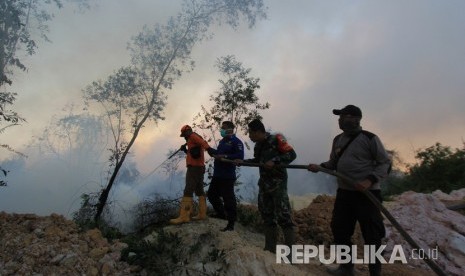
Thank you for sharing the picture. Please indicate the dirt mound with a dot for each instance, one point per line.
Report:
(52, 245)
(299, 202)
(314, 222)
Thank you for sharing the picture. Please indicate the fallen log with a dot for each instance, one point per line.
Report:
(456, 207)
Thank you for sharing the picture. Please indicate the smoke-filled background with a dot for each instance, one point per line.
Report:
(401, 62)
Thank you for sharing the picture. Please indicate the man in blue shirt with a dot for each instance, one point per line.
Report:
(224, 175)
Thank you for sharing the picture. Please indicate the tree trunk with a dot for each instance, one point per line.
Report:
(104, 195)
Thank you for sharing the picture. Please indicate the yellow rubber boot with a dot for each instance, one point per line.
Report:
(202, 209)
(184, 212)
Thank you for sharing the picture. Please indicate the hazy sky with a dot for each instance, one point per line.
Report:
(401, 62)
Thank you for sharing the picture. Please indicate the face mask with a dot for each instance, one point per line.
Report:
(223, 132)
(348, 124)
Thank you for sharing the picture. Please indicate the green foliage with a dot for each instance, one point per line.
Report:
(438, 168)
(83, 217)
(159, 257)
(249, 216)
(19, 21)
(155, 210)
(14, 16)
(236, 101)
(3, 182)
(216, 255)
(167, 254)
(393, 185)
(11, 118)
(7, 115)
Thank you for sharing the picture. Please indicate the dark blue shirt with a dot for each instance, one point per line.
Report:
(233, 148)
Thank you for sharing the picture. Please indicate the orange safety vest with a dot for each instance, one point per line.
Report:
(195, 140)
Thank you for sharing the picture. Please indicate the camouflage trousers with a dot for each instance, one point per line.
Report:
(273, 202)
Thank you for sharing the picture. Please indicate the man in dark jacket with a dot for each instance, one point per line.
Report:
(273, 200)
(360, 155)
(224, 175)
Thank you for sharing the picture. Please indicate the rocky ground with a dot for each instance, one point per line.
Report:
(433, 226)
(52, 245)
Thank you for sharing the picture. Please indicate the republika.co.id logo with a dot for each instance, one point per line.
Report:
(342, 254)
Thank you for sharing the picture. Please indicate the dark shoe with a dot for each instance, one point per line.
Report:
(229, 227)
(341, 271)
(271, 234)
(289, 239)
(375, 269)
(289, 236)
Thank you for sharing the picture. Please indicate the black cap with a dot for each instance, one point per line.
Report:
(348, 110)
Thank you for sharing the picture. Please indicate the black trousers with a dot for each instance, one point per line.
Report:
(353, 206)
(223, 188)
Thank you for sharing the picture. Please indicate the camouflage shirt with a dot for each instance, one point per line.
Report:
(276, 148)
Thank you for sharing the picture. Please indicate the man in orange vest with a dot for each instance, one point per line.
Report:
(195, 162)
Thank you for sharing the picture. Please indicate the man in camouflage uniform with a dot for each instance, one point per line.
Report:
(273, 200)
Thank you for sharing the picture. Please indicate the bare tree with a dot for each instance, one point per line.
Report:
(160, 55)
(74, 139)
